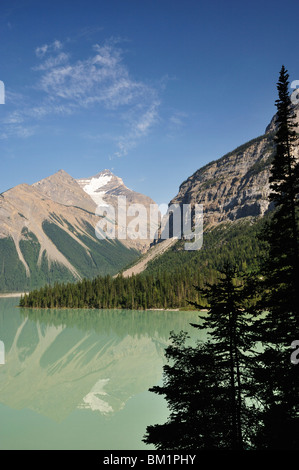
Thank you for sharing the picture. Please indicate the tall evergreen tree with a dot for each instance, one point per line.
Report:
(278, 378)
(210, 384)
(196, 398)
(229, 323)
(281, 264)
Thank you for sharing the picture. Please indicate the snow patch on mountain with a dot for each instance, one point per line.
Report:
(93, 186)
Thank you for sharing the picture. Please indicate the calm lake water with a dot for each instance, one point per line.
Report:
(79, 379)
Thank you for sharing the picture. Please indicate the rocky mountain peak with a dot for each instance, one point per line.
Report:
(64, 189)
(104, 182)
(233, 187)
(236, 185)
(105, 188)
(105, 172)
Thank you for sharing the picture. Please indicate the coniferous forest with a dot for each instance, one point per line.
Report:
(240, 389)
(167, 282)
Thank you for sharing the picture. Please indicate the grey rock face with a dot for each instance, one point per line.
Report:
(236, 185)
(233, 187)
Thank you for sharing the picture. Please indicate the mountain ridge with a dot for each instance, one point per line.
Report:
(237, 184)
(47, 234)
(52, 223)
(232, 188)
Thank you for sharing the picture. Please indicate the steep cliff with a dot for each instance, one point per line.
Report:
(236, 185)
(234, 188)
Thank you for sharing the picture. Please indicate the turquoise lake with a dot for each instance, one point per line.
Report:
(79, 379)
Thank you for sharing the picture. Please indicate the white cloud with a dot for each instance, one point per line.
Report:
(13, 118)
(99, 79)
(53, 62)
(147, 119)
(42, 50)
(17, 130)
(57, 45)
(138, 128)
(65, 86)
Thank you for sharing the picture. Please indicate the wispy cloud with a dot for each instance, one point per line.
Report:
(13, 118)
(17, 130)
(42, 50)
(177, 119)
(139, 127)
(52, 62)
(65, 86)
(102, 79)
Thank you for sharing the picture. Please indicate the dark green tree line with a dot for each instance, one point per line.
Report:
(167, 283)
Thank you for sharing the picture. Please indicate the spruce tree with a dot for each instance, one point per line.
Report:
(196, 398)
(281, 264)
(229, 323)
(277, 376)
(208, 387)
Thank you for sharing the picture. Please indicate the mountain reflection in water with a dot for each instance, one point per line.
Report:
(58, 361)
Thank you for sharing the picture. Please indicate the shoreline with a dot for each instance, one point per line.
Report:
(116, 309)
(7, 295)
(12, 294)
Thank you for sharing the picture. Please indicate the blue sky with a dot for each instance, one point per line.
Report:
(152, 90)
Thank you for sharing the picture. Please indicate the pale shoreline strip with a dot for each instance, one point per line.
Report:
(16, 294)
